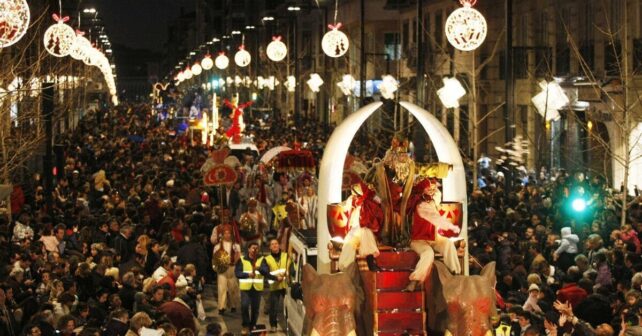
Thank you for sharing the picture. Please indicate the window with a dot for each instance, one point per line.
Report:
(520, 63)
(414, 31)
(612, 58)
(392, 45)
(439, 29)
(541, 29)
(587, 50)
(616, 15)
(562, 60)
(637, 55)
(404, 32)
(587, 21)
(543, 62)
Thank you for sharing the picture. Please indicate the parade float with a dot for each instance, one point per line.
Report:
(377, 295)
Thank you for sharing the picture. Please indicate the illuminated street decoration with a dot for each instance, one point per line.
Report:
(335, 43)
(14, 21)
(188, 73)
(197, 69)
(451, 92)
(290, 84)
(277, 50)
(388, 87)
(59, 37)
(207, 63)
(221, 61)
(550, 100)
(466, 27)
(79, 47)
(242, 58)
(315, 82)
(347, 85)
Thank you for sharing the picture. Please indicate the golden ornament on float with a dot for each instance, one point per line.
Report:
(14, 21)
(59, 37)
(277, 50)
(466, 27)
(335, 43)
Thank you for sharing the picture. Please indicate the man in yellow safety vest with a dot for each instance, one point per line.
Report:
(279, 264)
(250, 270)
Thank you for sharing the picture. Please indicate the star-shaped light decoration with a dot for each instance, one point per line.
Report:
(290, 83)
(347, 85)
(451, 92)
(550, 100)
(315, 82)
(388, 87)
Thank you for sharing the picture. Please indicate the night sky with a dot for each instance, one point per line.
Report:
(140, 24)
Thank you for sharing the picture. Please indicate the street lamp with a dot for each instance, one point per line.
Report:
(89, 10)
(267, 18)
(294, 8)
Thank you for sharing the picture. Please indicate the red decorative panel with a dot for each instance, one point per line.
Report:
(396, 280)
(398, 260)
(400, 300)
(398, 322)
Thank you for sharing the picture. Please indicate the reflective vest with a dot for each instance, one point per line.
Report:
(503, 330)
(278, 268)
(249, 283)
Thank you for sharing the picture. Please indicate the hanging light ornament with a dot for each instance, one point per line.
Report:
(451, 92)
(315, 82)
(466, 27)
(197, 69)
(276, 50)
(335, 43)
(79, 47)
(14, 21)
(290, 84)
(221, 61)
(180, 77)
(388, 87)
(188, 73)
(91, 57)
(550, 100)
(347, 85)
(242, 58)
(207, 63)
(59, 37)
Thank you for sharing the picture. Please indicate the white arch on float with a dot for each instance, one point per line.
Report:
(336, 150)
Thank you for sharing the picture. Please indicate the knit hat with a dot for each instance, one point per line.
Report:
(533, 287)
(566, 231)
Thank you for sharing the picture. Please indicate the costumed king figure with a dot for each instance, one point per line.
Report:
(365, 217)
(425, 233)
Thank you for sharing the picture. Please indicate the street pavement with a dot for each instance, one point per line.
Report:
(231, 321)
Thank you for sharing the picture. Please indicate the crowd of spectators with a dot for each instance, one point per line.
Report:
(124, 247)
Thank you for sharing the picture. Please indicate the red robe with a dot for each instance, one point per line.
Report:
(371, 214)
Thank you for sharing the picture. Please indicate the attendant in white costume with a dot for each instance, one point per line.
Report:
(426, 237)
(365, 216)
